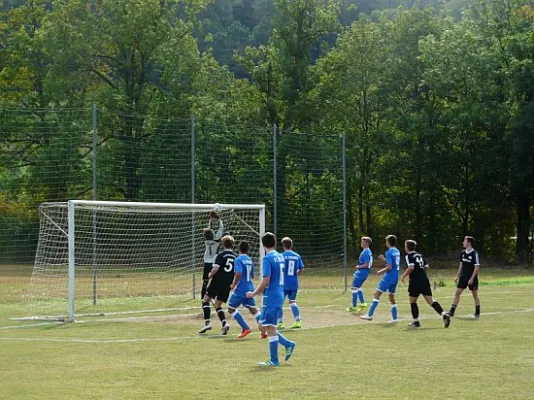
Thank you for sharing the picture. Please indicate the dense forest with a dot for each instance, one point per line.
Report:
(436, 99)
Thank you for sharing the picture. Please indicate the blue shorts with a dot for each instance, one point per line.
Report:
(291, 294)
(360, 277)
(237, 300)
(388, 284)
(270, 316)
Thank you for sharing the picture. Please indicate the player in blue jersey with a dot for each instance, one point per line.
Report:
(272, 287)
(389, 281)
(243, 275)
(361, 274)
(293, 268)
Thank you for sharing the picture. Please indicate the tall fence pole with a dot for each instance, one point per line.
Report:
(345, 239)
(275, 180)
(193, 182)
(95, 197)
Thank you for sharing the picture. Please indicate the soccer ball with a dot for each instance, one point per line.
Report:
(217, 207)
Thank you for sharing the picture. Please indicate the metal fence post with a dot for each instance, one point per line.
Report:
(95, 197)
(275, 180)
(193, 172)
(345, 241)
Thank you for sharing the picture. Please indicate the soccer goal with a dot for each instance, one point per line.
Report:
(97, 257)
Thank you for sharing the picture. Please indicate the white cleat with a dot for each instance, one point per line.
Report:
(205, 328)
(225, 329)
(394, 321)
(366, 317)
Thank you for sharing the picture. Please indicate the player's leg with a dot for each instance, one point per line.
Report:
(357, 293)
(286, 343)
(269, 319)
(437, 307)
(415, 309)
(462, 284)
(206, 310)
(292, 296)
(474, 292)
(233, 304)
(394, 310)
(220, 312)
(205, 278)
(251, 305)
(281, 324)
(382, 287)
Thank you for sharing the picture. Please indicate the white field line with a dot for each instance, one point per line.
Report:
(171, 339)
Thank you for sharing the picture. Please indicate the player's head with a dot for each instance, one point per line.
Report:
(287, 243)
(213, 215)
(228, 241)
(366, 242)
(469, 241)
(243, 247)
(391, 240)
(208, 234)
(410, 245)
(268, 240)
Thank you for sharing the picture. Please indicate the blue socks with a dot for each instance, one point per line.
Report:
(273, 348)
(394, 313)
(284, 341)
(360, 296)
(296, 311)
(355, 297)
(373, 307)
(240, 320)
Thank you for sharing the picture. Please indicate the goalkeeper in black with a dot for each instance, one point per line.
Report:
(419, 284)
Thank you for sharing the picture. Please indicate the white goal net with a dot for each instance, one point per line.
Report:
(95, 257)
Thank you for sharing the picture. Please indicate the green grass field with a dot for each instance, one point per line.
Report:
(160, 355)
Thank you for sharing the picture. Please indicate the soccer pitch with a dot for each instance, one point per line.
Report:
(160, 355)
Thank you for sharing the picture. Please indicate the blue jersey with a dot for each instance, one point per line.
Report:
(273, 267)
(293, 264)
(393, 257)
(366, 256)
(244, 264)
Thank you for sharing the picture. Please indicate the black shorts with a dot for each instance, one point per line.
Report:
(206, 271)
(218, 291)
(417, 288)
(463, 282)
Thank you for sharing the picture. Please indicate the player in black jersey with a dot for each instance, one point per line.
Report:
(211, 241)
(419, 284)
(222, 276)
(467, 276)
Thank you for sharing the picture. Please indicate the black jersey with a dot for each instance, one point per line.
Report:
(469, 260)
(225, 260)
(416, 260)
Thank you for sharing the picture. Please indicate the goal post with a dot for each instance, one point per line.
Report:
(112, 256)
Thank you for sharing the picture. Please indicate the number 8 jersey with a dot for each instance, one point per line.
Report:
(293, 263)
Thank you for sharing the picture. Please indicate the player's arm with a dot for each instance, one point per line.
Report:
(388, 266)
(458, 273)
(475, 270)
(219, 232)
(261, 287)
(214, 269)
(300, 267)
(409, 270)
(238, 271)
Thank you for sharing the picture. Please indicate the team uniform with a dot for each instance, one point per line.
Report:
(419, 282)
(360, 276)
(388, 283)
(420, 285)
(391, 278)
(219, 287)
(273, 300)
(273, 295)
(245, 266)
(210, 252)
(293, 264)
(469, 260)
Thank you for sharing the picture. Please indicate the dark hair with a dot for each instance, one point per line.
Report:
(391, 239)
(268, 240)
(411, 245)
(471, 240)
(287, 243)
(368, 240)
(208, 234)
(243, 247)
(213, 214)
(228, 241)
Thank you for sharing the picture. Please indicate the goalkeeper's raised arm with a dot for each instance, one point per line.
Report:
(216, 225)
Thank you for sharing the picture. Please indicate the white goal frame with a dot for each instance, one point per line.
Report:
(72, 204)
